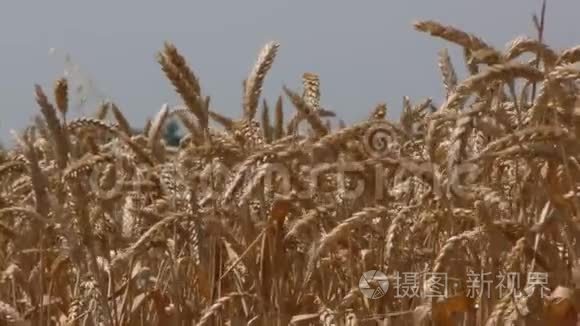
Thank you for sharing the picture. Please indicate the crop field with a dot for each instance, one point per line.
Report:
(465, 212)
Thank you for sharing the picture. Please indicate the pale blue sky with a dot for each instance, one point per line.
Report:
(364, 51)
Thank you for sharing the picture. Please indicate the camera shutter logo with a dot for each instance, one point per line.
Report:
(373, 284)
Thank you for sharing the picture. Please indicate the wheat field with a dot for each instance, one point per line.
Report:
(272, 218)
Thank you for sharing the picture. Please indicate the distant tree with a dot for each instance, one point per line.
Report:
(173, 133)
